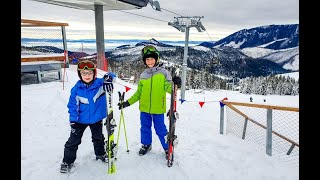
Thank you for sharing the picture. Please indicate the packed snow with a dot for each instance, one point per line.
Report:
(202, 153)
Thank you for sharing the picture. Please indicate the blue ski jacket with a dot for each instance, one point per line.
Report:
(87, 104)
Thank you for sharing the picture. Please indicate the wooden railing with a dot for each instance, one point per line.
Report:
(230, 105)
(268, 125)
(44, 58)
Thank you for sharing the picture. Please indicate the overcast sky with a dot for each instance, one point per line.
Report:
(221, 18)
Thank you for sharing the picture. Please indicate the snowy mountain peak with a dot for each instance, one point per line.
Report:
(153, 42)
(271, 36)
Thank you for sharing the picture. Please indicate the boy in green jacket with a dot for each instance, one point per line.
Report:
(154, 83)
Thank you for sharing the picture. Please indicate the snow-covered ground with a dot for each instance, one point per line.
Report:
(202, 153)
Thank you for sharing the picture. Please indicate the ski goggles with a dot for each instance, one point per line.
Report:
(84, 73)
(149, 50)
(89, 65)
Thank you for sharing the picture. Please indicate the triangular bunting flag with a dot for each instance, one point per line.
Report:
(221, 104)
(182, 100)
(201, 104)
(127, 88)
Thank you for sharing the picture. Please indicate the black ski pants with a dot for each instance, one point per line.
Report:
(77, 130)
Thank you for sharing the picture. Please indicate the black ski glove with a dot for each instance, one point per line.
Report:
(107, 83)
(177, 81)
(73, 126)
(175, 114)
(168, 113)
(123, 105)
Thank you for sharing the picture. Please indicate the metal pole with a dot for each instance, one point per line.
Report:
(221, 119)
(98, 12)
(64, 40)
(269, 132)
(244, 128)
(66, 56)
(184, 64)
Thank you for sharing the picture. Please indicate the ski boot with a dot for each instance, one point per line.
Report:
(65, 167)
(101, 157)
(144, 149)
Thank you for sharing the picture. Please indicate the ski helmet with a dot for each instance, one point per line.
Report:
(87, 65)
(150, 51)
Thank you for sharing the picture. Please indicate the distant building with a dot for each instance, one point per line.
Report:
(132, 79)
(237, 88)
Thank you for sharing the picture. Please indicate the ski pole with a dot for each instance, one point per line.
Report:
(119, 121)
(124, 125)
(118, 132)
(121, 99)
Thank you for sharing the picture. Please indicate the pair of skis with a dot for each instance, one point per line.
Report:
(110, 123)
(110, 144)
(173, 116)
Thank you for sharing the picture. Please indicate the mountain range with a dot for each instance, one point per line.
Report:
(260, 51)
(271, 37)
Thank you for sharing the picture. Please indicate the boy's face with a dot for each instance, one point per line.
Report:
(87, 75)
(150, 62)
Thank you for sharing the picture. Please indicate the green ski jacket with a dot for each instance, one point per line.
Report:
(152, 87)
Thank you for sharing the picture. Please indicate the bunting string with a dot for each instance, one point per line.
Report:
(201, 103)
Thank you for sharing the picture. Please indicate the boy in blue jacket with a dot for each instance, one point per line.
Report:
(87, 107)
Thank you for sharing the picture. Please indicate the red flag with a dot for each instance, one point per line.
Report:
(127, 88)
(201, 103)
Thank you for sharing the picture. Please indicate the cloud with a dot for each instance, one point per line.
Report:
(221, 17)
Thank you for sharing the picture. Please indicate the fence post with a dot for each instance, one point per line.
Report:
(64, 41)
(290, 150)
(39, 76)
(269, 132)
(221, 119)
(244, 128)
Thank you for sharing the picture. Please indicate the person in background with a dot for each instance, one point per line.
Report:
(155, 81)
(87, 107)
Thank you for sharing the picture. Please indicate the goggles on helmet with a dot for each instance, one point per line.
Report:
(89, 65)
(149, 50)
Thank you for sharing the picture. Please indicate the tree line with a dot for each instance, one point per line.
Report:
(269, 85)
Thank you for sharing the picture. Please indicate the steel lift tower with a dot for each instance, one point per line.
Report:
(183, 24)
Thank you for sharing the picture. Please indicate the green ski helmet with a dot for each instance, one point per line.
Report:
(150, 51)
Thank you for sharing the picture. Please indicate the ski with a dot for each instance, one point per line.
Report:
(110, 125)
(173, 116)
